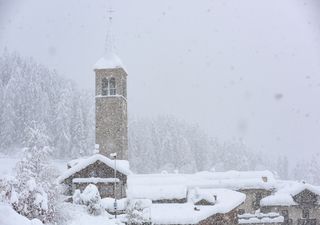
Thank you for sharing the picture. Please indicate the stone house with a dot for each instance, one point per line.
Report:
(220, 212)
(254, 184)
(298, 203)
(98, 170)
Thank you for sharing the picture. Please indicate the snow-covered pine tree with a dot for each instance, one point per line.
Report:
(78, 145)
(32, 92)
(35, 179)
(313, 175)
(8, 131)
(282, 167)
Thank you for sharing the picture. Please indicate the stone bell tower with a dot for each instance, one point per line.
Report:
(111, 102)
(111, 106)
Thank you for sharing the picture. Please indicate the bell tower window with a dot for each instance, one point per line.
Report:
(105, 86)
(112, 86)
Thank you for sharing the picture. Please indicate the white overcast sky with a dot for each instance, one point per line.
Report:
(241, 69)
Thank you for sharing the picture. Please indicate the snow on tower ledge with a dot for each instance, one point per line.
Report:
(108, 61)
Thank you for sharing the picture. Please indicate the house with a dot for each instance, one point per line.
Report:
(254, 184)
(222, 211)
(174, 188)
(98, 170)
(297, 202)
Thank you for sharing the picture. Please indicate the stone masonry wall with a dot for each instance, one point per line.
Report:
(111, 115)
(229, 218)
(292, 214)
(253, 197)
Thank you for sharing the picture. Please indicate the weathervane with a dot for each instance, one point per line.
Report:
(109, 36)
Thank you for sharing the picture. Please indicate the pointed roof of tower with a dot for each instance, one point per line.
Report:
(109, 60)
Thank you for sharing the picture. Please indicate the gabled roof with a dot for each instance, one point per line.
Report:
(303, 186)
(285, 193)
(122, 166)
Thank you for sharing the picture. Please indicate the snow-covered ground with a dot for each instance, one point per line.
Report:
(72, 214)
(75, 215)
(10, 217)
(78, 215)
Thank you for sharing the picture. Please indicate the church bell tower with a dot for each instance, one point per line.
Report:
(111, 103)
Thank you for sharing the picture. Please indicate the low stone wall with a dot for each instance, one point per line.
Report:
(175, 200)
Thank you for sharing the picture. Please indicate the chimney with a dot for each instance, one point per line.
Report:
(265, 179)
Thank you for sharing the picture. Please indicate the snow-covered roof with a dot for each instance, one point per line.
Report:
(74, 162)
(186, 214)
(108, 61)
(158, 192)
(237, 180)
(285, 193)
(234, 180)
(122, 166)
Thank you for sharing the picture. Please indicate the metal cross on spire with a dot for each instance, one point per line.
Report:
(109, 45)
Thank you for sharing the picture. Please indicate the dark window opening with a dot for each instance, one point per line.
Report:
(305, 213)
(105, 86)
(112, 86)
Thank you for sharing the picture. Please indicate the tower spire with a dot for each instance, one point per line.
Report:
(109, 42)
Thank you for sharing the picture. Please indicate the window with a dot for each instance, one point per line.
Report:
(307, 221)
(93, 174)
(105, 86)
(305, 213)
(112, 86)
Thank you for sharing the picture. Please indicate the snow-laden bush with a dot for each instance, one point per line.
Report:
(89, 197)
(138, 211)
(35, 180)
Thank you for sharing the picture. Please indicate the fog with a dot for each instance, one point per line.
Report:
(247, 69)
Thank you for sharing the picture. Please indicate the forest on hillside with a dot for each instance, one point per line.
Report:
(34, 96)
